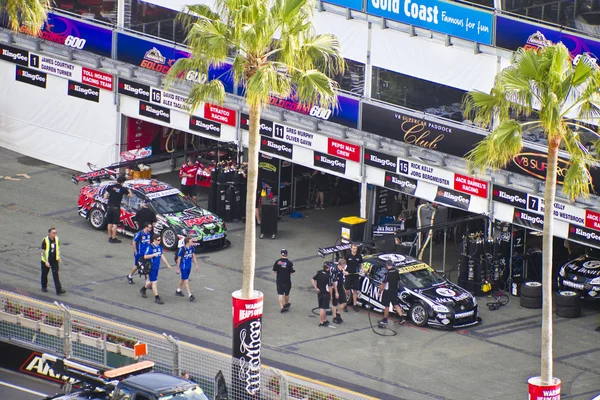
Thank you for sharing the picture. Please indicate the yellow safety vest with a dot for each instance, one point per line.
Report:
(46, 253)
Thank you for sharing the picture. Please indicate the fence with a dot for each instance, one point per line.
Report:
(81, 336)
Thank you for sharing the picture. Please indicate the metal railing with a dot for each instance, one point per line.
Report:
(57, 329)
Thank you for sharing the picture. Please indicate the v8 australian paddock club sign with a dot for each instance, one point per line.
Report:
(331, 163)
(155, 112)
(276, 147)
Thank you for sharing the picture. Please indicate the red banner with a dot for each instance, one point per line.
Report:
(469, 185)
(592, 220)
(219, 114)
(246, 309)
(343, 149)
(96, 78)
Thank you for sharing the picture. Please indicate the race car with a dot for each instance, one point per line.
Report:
(581, 275)
(177, 216)
(426, 297)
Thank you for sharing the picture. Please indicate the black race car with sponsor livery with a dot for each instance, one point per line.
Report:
(177, 216)
(581, 275)
(427, 297)
(134, 381)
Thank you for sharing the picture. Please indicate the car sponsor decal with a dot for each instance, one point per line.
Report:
(578, 286)
(328, 162)
(445, 292)
(84, 92)
(162, 194)
(592, 264)
(31, 77)
(192, 221)
(412, 268)
(371, 291)
(155, 112)
(453, 198)
(152, 188)
(395, 258)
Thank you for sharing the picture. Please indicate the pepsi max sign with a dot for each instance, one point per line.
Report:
(400, 183)
(276, 147)
(328, 162)
(380, 160)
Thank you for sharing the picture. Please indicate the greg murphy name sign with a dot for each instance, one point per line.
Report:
(449, 18)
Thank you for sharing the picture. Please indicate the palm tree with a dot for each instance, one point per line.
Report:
(541, 89)
(275, 52)
(29, 12)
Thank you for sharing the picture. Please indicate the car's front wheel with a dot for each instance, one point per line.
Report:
(97, 218)
(419, 315)
(169, 239)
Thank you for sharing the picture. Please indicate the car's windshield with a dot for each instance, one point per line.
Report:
(194, 393)
(420, 279)
(173, 203)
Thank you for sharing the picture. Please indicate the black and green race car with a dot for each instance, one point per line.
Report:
(177, 216)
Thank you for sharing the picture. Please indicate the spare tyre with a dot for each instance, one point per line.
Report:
(530, 302)
(568, 298)
(568, 312)
(531, 289)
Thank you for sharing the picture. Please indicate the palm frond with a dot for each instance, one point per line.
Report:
(211, 92)
(191, 13)
(481, 107)
(577, 180)
(325, 50)
(210, 39)
(31, 13)
(314, 87)
(266, 81)
(498, 148)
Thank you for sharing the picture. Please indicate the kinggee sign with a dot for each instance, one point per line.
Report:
(202, 125)
(584, 235)
(266, 126)
(453, 198)
(527, 219)
(276, 147)
(380, 160)
(14, 55)
(134, 89)
(331, 163)
(156, 112)
(440, 16)
(400, 183)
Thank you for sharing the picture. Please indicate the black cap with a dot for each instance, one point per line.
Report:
(389, 263)
(284, 252)
(121, 179)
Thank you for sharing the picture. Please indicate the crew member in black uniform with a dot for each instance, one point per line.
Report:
(321, 281)
(114, 194)
(284, 268)
(354, 263)
(338, 294)
(51, 260)
(145, 215)
(389, 286)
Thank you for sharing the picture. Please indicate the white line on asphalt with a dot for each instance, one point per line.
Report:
(22, 389)
(207, 288)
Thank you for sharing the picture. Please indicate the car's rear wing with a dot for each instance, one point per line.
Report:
(112, 171)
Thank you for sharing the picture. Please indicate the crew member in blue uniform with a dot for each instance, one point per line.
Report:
(185, 257)
(140, 243)
(154, 252)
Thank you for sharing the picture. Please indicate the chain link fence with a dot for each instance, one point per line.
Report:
(89, 338)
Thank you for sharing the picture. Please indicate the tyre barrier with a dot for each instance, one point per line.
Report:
(568, 304)
(531, 295)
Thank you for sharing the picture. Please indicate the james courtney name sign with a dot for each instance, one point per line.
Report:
(71, 71)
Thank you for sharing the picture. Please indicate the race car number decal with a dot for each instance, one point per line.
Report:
(199, 220)
(445, 292)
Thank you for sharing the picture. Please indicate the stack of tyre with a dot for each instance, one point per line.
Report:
(531, 295)
(568, 304)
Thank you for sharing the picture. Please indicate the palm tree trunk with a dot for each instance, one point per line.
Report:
(549, 197)
(249, 261)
